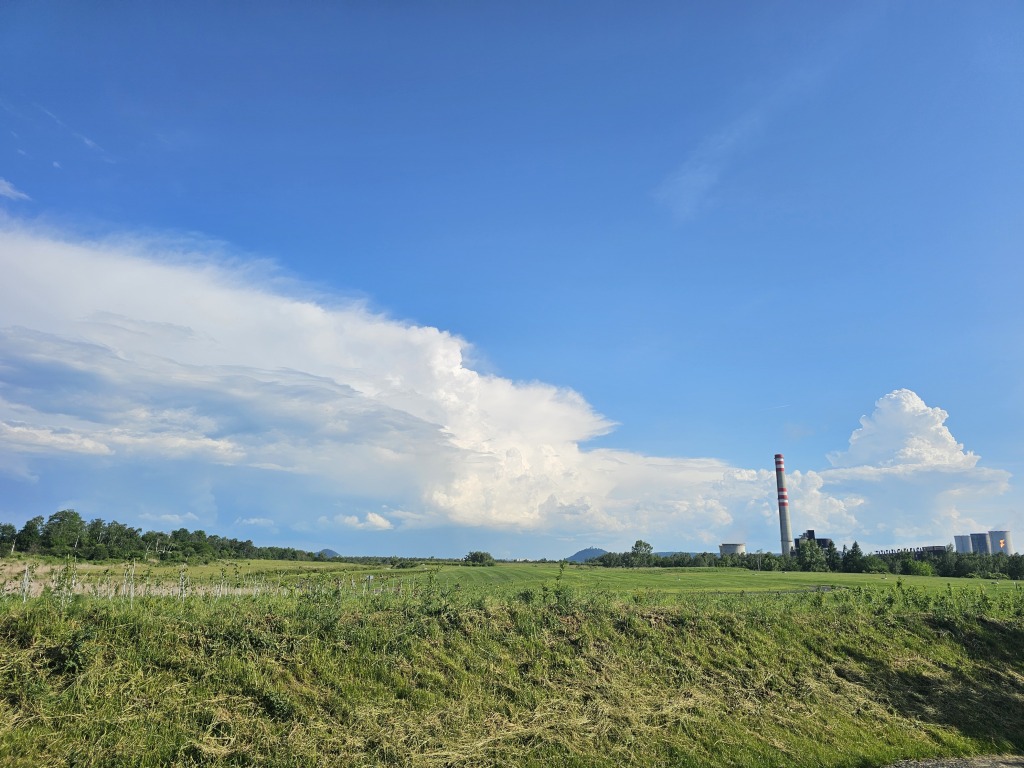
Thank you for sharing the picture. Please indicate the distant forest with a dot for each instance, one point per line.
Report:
(65, 533)
(809, 557)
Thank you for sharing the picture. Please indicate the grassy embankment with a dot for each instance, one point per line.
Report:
(595, 668)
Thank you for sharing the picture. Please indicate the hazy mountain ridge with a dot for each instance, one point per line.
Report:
(584, 555)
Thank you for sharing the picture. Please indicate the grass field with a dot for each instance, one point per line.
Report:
(285, 664)
(675, 581)
(285, 576)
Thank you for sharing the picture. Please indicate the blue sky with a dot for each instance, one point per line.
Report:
(424, 278)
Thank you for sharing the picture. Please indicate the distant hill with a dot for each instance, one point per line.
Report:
(593, 552)
(328, 553)
(586, 554)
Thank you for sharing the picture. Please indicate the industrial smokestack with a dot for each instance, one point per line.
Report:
(780, 481)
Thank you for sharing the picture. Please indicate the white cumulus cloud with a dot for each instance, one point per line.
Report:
(190, 388)
(370, 522)
(903, 433)
(904, 480)
(169, 357)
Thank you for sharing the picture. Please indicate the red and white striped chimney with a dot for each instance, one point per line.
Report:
(784, 529)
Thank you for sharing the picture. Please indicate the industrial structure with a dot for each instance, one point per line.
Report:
(980, 544)
(808, 535)
(991, 543)
(732, 549)
(784, 528)
(918, 553)
(999, 541)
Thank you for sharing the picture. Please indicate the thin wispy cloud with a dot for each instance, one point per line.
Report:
(8, 190)
(259, 522)
(169, 519)
(694, 183)
(85, 140)
(695, 180)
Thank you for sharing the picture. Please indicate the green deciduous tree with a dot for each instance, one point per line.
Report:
(63, 532)
(123, 541)
(874, 564)
(767, 561)
(479, 558)
(30, 537)
(641, 554)
(946, 564)
(833, 559)
(810, 557)
(1015, 567)
(8, 533)
(911, 567)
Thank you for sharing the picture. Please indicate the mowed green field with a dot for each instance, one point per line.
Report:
(653, 583)
(675, 581)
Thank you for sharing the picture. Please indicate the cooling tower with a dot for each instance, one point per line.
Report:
(784, 528)
(999, 541)
(963, 544)
(980, 544)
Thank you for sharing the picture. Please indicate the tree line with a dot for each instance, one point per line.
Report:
(810, 557)
(65, 533)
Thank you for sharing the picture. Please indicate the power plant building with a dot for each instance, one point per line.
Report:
(918, 553)
(732, 549)
(963, 544)
(809, 535)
